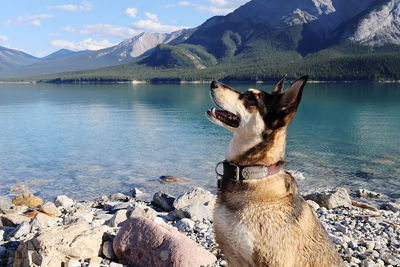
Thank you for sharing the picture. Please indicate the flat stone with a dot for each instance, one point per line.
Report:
(163, 201)
(185, 225)
(119, 197)
(141, 242)
(27, 200)
(21, 230)
(195, 196)
(119, 217)
(195, 212)
(50, 209)
(13, 219)
(41, 221)
(63, 201)
(330, 199)
(57, 245)
(108, 250)
(142, 210)
(395, 207)
(121, 206)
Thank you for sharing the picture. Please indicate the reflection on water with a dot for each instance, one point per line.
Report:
(86, 140)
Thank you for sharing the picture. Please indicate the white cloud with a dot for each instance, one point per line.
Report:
(3, 38)
(151, 16)
(29, 20)
(154, 26)
(84, 6)
(87, 44)
(216, 7)
(104, 31)
(131, 12)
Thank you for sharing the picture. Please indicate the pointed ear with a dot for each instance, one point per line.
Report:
(291, 97)
(279, 85)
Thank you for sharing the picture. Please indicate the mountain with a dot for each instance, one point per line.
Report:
(11, 58)
(275, 30)
(261, 40)
(62, 53)
(66, 60)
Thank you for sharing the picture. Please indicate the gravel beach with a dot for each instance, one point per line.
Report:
(365, 231)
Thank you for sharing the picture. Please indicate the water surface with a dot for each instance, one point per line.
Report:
(88, 140)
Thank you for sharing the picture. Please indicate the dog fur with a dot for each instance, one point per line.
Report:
(264, 222)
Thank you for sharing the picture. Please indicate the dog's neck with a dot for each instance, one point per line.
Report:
(245, 151)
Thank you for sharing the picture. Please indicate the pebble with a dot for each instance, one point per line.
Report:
(360, 239)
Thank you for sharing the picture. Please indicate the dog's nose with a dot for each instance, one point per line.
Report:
(214, 84)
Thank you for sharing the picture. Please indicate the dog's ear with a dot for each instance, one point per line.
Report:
(279, 85)
(291, 97)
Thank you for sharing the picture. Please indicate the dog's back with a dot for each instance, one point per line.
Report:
(267, 223)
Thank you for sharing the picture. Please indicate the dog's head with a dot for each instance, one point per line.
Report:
(255, 117)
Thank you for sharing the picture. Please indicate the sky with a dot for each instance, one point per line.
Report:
(41, 27)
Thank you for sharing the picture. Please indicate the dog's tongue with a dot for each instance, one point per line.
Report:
(225, 116)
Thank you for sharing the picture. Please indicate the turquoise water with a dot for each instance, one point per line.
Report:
(88, 140)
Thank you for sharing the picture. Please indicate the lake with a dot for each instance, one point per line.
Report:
(87, 140)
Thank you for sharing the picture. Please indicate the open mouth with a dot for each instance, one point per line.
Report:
(224, 116)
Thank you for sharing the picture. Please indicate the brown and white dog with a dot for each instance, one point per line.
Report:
(260, 219)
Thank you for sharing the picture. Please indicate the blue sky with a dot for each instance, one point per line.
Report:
(40, 27)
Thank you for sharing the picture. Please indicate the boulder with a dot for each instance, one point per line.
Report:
(163, 201)
(21, 230)
(142, 210)
(27, 200)
(197, 195)
(141, 242)
(50, 209)
(58, 245)
(330, 199)
(136, 193)
(13, 219)
(367, 193)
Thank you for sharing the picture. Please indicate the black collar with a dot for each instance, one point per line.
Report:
(240, 173)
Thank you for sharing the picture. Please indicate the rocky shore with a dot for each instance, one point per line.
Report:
(165, 230)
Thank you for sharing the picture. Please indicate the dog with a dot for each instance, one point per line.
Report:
(260, 219)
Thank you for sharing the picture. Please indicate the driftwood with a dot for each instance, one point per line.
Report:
(363, 205)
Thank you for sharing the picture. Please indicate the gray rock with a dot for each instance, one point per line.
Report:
(390, 259)
(163, 201)
(185, 225)
(370, 263)
(341, 228)
(21, 230)
(142, 210)
(121, 206)
(196, 213)
(108, 250)
(395, 207)
(136, 193)
(195, 196)
(63, 201)
(119, 217)
(119, 197)
(86, 216)
(330, 199)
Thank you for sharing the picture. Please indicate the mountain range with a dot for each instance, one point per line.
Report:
(317, 36)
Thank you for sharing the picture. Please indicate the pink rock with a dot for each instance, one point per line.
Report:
(141, 242)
